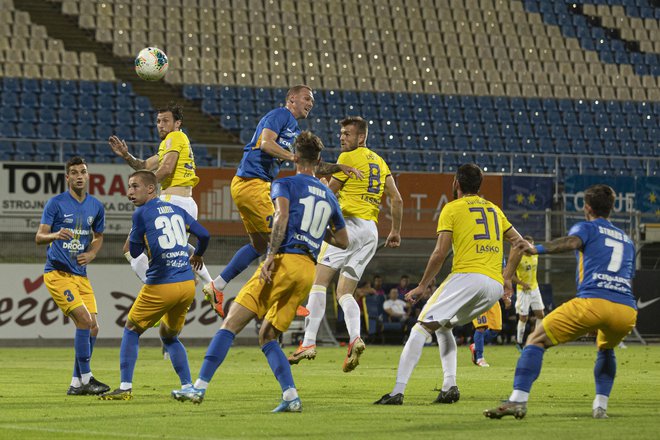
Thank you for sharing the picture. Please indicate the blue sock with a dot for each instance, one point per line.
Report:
(478, 344)
(279, 364)
(76, 370)
(216, 353)
(179, 358)
(83, 350)
(490, 335)
(604, 371)
(239, 262)
(128, 354)
(528, 368)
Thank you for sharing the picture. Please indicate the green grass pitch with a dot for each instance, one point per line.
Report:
(33, 404)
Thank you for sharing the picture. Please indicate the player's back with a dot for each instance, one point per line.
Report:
(312, 206)
(257, 164)
(184, 171)
(361, 197)
(163, 227)
(477, 228)
(606, 262)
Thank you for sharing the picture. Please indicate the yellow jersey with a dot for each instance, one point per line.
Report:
(477, 228)
(526, 271)
(361, 198)
(184, 172)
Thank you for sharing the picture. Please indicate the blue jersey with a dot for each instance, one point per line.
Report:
(606, 262)
(256, 163)
(83, 218)
(163, 230)
(312, 206)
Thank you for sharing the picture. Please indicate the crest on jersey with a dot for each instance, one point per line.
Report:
(90, 220)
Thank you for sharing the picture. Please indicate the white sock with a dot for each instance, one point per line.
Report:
(219, 283)
(186, 386)
(520, 333)
(316, 307)
(128, 257)
(519, 396)
(140, 265)
(289, 394)
(600, 401)
(75, 382)
(203, 273)
(447, 347)
(410, 355)
(126, 386)
(201, 384)
(351, 315)
(85, 377)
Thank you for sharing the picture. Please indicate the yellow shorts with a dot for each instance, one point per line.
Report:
(580, 316)
(252, 198)
(169, 302)
(278, 300)
(491, 319)
(70, 291)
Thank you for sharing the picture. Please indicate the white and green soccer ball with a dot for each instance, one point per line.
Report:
(151, 64)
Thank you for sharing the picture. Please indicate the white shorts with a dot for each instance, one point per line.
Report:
(527, 299)
(362, 245)
(461, 298)
(187, 203)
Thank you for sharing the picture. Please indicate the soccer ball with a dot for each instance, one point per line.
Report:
(151, 64)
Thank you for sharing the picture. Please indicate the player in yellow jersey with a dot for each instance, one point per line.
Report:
(174, 166)
(360, 203)
(486, 328)
(475, 229)
(528, 294)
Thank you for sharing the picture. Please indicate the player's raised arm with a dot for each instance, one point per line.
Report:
(167, 165)
(396, 211)
(436, 260)
(556, 246)
(120, 148)
(270, 146)
(332, 168)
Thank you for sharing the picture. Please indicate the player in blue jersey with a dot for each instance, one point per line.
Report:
(72, 226)
(160, 229)
(271, 144)
(304, 207)
(604, 302)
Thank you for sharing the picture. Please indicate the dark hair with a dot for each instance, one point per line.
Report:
(601, 199)
(75, 160)
(176, 109)
(296, 89)
(469, 177)
(147, 177)
(308, 146)
(528, 238)
(357, 121)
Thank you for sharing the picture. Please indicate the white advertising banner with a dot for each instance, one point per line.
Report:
(26, 187)
(27, 310)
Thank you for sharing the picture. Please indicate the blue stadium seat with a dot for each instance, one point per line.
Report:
(142, 104)
(64, 131)
(124, 88)
(10, 84)
(263, 94)
(191, 92)
(26, 130)
(124, 118)
(85, 131)
(124, 102)
(107, 88)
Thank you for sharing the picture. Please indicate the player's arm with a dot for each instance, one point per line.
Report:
(94, 247)
(437, 259)
(337, 238)
(45, 236)
(556, 246)
(280, 222)
(396, 212)
(167, 165)
(120, 148)
(269, 146)
(326, 168)
(520, 282)
(515, 254)
(203, 239)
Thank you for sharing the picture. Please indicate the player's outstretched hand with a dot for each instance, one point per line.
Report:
(393, 240)
(85, 258)
(196, 262)
(118, 146)
(63, 234)
(267, 269)
(414, 295)
(350, 171)
(524, 246)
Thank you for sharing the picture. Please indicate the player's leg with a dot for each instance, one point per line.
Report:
(477, 347)
(316, 304)
(268, 339)
(345, 288)
(448, 357)
(619, 320)
(520, 329)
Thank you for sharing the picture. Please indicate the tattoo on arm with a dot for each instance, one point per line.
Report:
(563, 244)
(327, 168)
(133, 162)
(276, 236)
